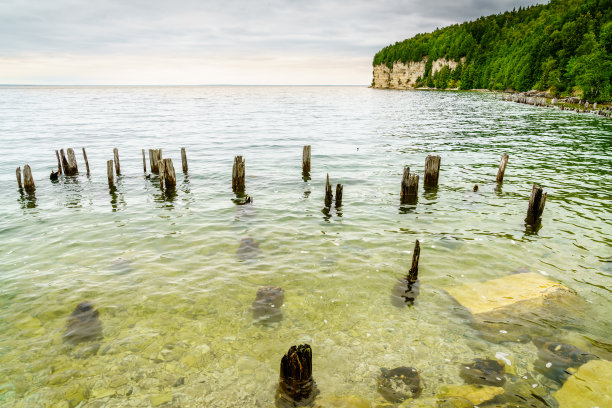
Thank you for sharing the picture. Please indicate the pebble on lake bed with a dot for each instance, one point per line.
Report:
(83, 324)
(399, 384)
(267, 304)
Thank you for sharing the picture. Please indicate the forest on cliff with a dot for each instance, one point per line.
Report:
(564, 46)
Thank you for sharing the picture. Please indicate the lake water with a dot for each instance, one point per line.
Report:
(174, 296)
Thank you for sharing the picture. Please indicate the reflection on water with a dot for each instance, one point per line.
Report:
(177, 290)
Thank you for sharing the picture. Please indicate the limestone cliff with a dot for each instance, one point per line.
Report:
(404, 75)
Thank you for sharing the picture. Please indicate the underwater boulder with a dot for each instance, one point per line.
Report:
(554, 359)
(589, 386)
(267, 304)
(83, 324)
(248, 249)
(399, 384)
(483, 371)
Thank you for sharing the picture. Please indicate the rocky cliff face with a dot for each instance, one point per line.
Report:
(404, 76)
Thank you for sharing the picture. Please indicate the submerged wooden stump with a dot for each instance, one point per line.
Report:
(296, 386)
(267, 304)
(169, 174)
(28, 180)
(432, 171)
(339, 189)
(238, 174)
(116, 157)
(144, 162)
(328, 193)
(18, 172)
(407, 288)
(184, 159)
(59, 162)
(410, 187)
(72, 169)
(83, 324)
(502, 168)
(536, 205)
(86, 161)
(109, 173)
(306, 160)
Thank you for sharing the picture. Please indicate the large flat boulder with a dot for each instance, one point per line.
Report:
(589, 386)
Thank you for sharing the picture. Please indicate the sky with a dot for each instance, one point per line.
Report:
(192, 42)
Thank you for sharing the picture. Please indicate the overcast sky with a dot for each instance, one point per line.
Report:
(213, 41)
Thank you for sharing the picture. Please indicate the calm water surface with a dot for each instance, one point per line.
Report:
(174, 297)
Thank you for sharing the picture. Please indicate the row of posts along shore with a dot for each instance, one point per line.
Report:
(569, 104)
(164, 168)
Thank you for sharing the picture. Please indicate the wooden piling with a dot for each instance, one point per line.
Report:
(28, 180)
(296, 386)
(306, 160)
(536, 205)
(109, 173)
(410, 186)
(432, 171)
(502, 168)
(169, 174)
(413, 274)
(18, 171)
(64, 162)
(59, 162)
(155, 156)
(86, 161)
(144, 162)
(238, 174)
(339, 189)
(161, 170)
(407, 289)
(328, 193)
(73, 169)
(116, 156)
(184, 160)
(475, 188)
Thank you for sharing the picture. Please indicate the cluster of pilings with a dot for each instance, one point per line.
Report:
(582, 106)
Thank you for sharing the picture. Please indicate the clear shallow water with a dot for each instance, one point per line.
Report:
(174, 298)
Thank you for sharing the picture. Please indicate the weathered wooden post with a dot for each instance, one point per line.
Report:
(184, 159)
(144, 162)
(410, 186)
(161, 169)
(406, 289)
(28, 180)
(296, 386)
(306, 160)
(475, 188)
(18, 171)
(86, 161)
(536, 205)
(72, 163)
(59, 163)
(109, 173)
(413, 273)
(328, 193)
(238, 173)
(155, 156)
(502, 168)
(116, 156)
(169, 174)
(432, 171)
(339, 189)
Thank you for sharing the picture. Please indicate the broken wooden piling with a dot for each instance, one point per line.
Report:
(116, 156)
(536, 205)
(238, 174)
(475, 188)
(432, 171)
(28, 180)
(161, 170)
(109, 173)
(339, 189)
(328, 193)
(18, 171)
(86, 161)
(64, 162)
(144, 162)
(410, 186)
(169, 174)
(155, 156)
(59, 162)
(413, 273)
(72, 169)
(184, 160)
(502, 168)
(306, 160)
(296, 386)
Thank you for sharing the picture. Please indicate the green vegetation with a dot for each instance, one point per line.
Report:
(564, 46)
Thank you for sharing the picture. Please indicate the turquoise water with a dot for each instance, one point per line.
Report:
(175, 299)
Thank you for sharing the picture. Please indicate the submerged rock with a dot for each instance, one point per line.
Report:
(249, 249)
(476, 394)
(405, 292)
(83, 324)
(267, 304)
(590, 386)
(342, 402)
(399, 384)
(483, 371)
(554, 359)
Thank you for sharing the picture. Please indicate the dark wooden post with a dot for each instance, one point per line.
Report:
(406, 289)
(339, 189)
(109, 173)
(296, 386)
(475, 188)
(59, 163)
(502, 168)
(432, 171)
(28, 180)
(536, 205)
(413, 274)
(161, 169)
(64, 162)
(116, 156)
(169, 174)
(184, 159)
(238, 174)
(72, 163)
(410, 186)
(328, 193)
(144, 162)
(155, 156)
(86, 161)
(306, 160)
(18, 171)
